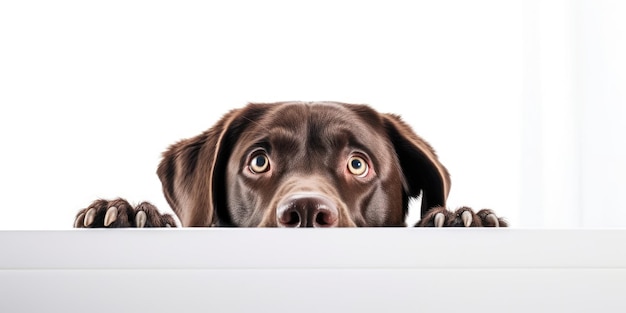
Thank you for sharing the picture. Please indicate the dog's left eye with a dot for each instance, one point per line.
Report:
(357, 166)
(259, 164)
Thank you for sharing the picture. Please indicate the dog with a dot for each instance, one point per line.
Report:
(297, 164)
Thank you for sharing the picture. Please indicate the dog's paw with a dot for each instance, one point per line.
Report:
(462, 217)
(119, 213)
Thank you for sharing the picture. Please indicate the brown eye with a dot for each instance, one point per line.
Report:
(259, 164)
(357, 166)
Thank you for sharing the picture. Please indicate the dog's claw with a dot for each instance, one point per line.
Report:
(493, 219)
(140, 219)
(90, 216)
(168, 225)
(80, 217)
(110, 216)
(466, 216)
(439, 219)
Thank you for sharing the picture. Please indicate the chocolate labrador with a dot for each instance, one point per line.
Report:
(295, 164)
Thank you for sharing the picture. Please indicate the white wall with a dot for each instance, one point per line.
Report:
(92, 93)
(574, 107)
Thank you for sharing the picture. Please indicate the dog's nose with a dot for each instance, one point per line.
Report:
(307, 210)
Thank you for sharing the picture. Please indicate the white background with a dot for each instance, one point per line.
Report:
(523, 100)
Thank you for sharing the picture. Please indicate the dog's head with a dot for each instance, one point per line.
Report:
(302, 164)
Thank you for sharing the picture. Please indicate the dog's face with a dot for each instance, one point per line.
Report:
(302, 165)
(314, 165)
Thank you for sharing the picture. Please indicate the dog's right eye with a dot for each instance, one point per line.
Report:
(259, 164)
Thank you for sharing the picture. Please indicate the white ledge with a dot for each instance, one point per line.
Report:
(238, 248)
(313, 270)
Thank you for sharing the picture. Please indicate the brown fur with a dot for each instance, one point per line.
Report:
(208, 179)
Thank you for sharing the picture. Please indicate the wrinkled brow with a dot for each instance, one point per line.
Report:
(278, 137)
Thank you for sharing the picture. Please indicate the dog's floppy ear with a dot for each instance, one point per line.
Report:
(192, 171)
(420, 166)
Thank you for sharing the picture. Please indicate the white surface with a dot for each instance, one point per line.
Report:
(278, 270)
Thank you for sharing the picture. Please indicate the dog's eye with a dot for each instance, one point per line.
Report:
(357, 166)
(259, 164)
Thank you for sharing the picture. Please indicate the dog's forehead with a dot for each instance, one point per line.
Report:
(318, 116)
(317, 127)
